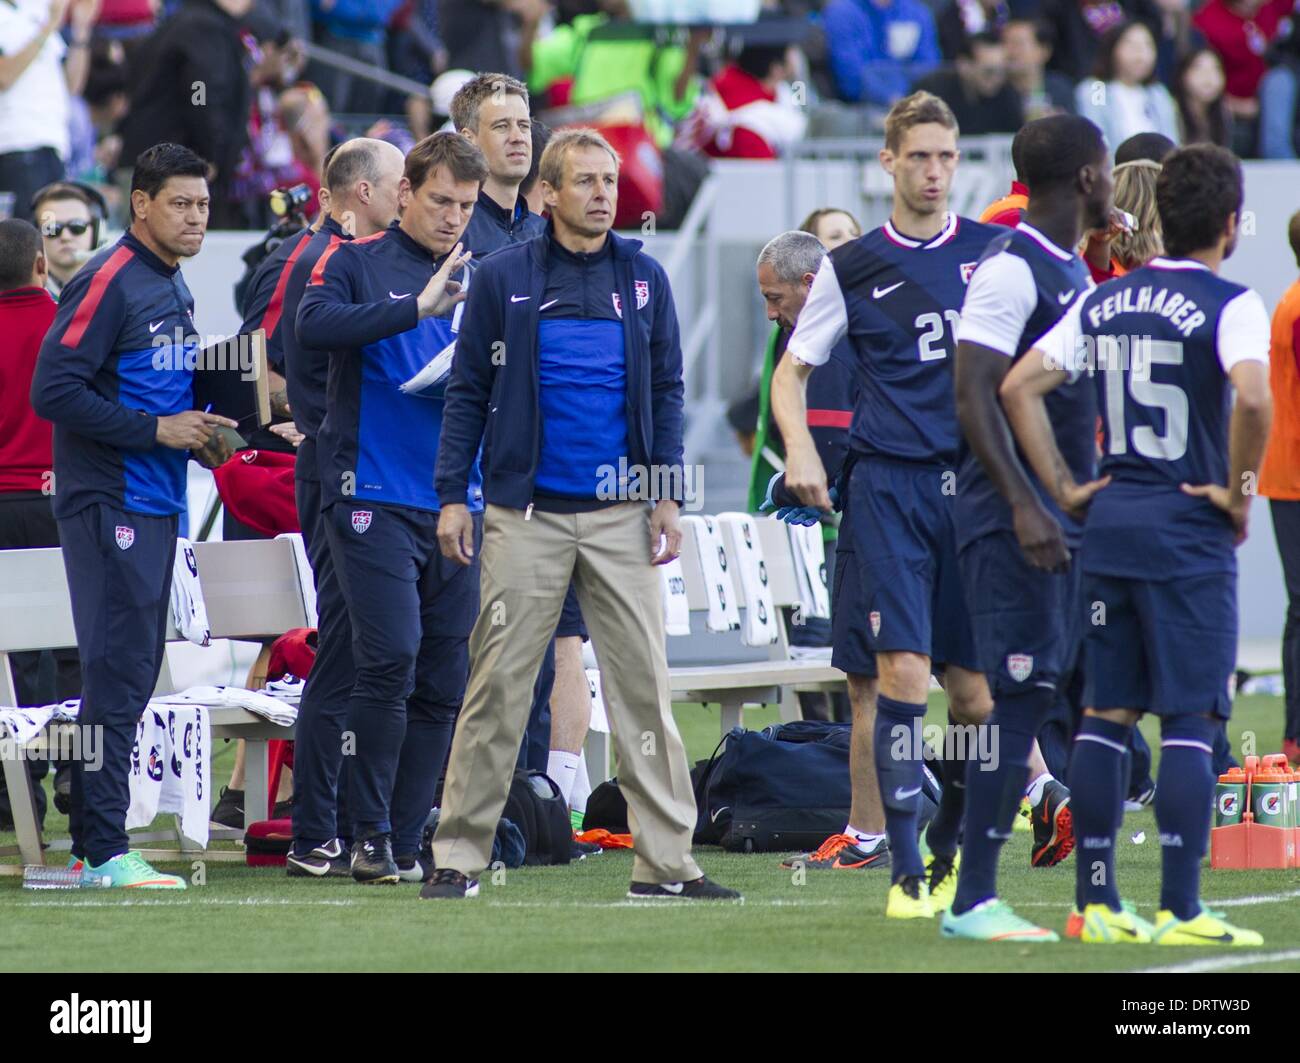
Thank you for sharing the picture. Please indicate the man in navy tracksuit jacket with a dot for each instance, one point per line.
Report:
(363, 178)
(112, 377)
(382, 307)
(569, 372)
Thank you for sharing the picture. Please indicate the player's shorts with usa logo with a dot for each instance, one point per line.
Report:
(1162, 646)
(849, 649)
(1027, 622)
(908, 594)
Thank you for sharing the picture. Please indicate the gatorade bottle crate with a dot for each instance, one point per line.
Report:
(1257, 816)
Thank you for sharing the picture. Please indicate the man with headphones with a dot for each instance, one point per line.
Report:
(71, 217)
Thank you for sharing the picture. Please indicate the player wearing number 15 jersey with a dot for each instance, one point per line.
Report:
(895, 293)
(1165, 346)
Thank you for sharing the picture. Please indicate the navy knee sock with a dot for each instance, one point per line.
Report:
(1184, 792)
(946, 825)
(994, 787)
(899, 773)
(1097, 802)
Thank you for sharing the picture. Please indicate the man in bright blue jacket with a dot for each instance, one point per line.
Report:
(569, 370)
(878, 48)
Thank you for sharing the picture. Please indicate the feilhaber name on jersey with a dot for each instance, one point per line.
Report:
(1181, 311)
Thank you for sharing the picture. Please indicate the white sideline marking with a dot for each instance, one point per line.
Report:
(660, 905)
(1210, 902)
(1223, 963)
(131, 902)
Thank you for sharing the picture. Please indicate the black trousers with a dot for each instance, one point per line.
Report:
(44, 676)
(1286, 528)
(24, 173)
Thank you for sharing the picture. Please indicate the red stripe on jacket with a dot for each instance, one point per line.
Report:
(830, 418)
(81, 319)
(271, 319)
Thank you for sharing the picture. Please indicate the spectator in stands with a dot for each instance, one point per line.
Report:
(1028, 47)
(1239, 30)
(39, 74)
(96, 113)
(122, 20)
(70, 222)
(964, 18)
(1279, 482)
(977, 90)
(879, 48)
(1176, 38)
(489, 34)
(416, 51)
(748, 110)
(1279, 92)
(26, 460)
(1124, 98)
(357, 29)
(1199, 90)
(1078, 27)
(194, 90)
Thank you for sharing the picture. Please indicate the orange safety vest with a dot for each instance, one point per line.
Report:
(1279, 476)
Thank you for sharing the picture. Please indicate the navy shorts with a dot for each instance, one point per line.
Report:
(910, 595)
(849, 650)
(571, 624)
(1028, 623)
(1168, 647)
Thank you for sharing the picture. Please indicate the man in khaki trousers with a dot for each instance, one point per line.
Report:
(568, 370)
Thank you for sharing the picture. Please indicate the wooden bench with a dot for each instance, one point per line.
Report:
(776, 680)
(252, 593)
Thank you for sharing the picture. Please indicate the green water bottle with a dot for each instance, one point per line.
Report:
(1269, 799)
(1229, 799)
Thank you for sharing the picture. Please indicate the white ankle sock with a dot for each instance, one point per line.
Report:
(562, 767)
(581, 787)
(1034, 791)
(864, 840)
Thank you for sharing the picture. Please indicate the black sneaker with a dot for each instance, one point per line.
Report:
(581, 850)
(1053, 826)
(448, 885)
(325, 861)
(230, 808)
(63, 788)
(412, 867)
(372, 860)
(701, 889)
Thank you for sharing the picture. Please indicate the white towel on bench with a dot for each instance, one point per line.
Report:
(273, 709)
(189, 612)
(25, 724)
(677, 612)
(306, 579)
(171, 769)
(810, 569)
(760, 613)
(723, 614)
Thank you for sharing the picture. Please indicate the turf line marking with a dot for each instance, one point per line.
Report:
(249, 902)
(1223, 963)
(1263, 898)
(665, 905)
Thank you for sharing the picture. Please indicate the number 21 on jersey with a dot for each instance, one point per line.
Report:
(930, 344)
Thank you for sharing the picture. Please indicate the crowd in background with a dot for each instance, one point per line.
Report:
(86, 84)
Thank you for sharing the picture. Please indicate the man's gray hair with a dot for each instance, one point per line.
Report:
(792, 254)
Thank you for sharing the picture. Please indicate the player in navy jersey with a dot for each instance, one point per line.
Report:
(1023, 616)
(1164, 347)
(894, 293)
(381, 304)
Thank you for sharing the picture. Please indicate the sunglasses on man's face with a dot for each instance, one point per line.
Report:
(54, 229)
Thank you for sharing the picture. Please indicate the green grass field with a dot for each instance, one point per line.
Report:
(576, 918)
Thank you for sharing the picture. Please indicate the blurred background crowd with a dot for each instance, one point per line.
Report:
(262, 88)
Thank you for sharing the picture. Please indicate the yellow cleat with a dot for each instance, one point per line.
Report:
(1205, 929)
(942, 880)
(1024, 817)
(909, 898)
(1102, 926)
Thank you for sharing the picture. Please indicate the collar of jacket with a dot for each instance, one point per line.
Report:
(27, 295)
(146, 256)
(623, 247)
(334, 228)
(502, 217)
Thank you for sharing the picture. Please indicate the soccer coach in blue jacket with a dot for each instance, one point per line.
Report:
(568, 368)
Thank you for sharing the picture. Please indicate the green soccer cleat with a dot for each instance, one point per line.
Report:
(1024, 820)
(1206, 929)
(909, 898)
(130, 870)
(1099, 925)
(993, 920)
(942, 871)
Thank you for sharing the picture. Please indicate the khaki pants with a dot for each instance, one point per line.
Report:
(526, 566)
